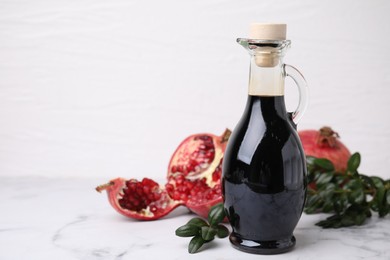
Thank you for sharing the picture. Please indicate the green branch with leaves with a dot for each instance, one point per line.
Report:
(203, 232)
(350, 195)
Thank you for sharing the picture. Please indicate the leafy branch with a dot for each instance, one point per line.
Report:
(350, 195)
(202, 231)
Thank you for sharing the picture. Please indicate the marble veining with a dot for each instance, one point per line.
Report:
(43, 218)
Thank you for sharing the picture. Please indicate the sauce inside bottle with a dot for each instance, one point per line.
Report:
(264, 182)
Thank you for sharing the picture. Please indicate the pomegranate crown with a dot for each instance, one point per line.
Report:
(327, 137)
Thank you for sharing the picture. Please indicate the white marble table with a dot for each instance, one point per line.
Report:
(57, 219)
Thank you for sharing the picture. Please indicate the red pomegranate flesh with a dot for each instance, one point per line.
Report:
(325, 143)
(193, 180)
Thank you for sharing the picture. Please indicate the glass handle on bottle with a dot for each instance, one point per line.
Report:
(303, 91)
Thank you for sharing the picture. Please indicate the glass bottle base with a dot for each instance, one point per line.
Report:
(262, 247)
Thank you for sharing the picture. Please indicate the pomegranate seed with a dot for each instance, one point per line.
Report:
(185, 189)
(176, 195)
(131, 186)
(157, 196)
(183, 196)
(190, 185)
(202, 152)
(216, 175)
(146, 189)
(150, 196)
(209, 145)
(210, 155)
(139, 190)
(169, 187)
(180, 180)
(190, 168)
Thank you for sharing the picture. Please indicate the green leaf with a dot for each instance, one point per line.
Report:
(311, 210)
(340, 203)
(330, 222)
(358, 213)
(222, 231)
(354, 215)
(324, 178)
(327, 207)
(378, 182)
(347, 221)
(313, 204)
(340, 180)
(208, 233)
(357, 196)
(388, 197)
(197, 222)
(195, 243)
(351, 185)
(313, 200)
(354, 162)
(356, 192)
(379, 203)
(384, 211)
(187, 231)
(324, 164)
(310, 160)
(216, 214)
(328, 191)
(367, 181)
(360, 218)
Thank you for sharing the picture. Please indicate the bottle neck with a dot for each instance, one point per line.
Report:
(266, 70)
(266, 76)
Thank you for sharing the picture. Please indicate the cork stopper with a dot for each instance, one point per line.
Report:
(268, 31)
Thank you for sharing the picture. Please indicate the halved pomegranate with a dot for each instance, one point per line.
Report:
(193, 180)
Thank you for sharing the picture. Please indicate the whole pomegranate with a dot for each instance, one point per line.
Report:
(324, 143)
(193, 180)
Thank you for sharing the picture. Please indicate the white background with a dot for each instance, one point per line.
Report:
(110, 88)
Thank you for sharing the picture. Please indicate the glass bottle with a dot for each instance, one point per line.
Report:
(264, 168)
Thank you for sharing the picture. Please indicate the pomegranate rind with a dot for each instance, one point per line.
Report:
(203, 209)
